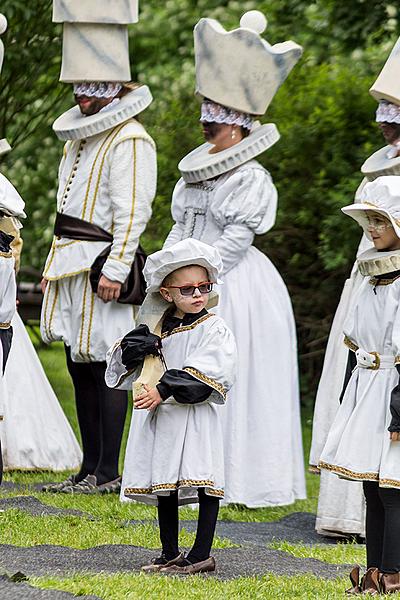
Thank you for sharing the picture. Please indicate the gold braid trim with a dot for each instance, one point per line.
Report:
(5, 325)
(188, 327)
(350, 344)
(6, 254)
(389, 483)
(196, 483)
(376, 282)
(347, 473)
(314, 470)
(218, 387)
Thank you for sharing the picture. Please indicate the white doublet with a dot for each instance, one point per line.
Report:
(109, 180)
(262, 466)
(358, 445)
(179, 446)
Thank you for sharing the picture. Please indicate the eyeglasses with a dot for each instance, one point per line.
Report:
(378, 225)
(188, 290)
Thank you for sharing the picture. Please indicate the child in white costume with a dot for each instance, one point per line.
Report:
(363, 442)
(175, 448)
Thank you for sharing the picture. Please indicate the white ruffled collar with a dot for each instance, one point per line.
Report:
(72, 125)
(200, 165)
(372, 262)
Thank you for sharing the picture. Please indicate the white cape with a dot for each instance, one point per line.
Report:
(36, 433)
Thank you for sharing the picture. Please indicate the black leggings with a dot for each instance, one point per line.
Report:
(169, 526)
(5, 341)
(382, 527)
(101, 416)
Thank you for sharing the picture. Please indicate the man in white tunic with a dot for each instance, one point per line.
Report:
(341, 506)
(107, 180)
(225, 198)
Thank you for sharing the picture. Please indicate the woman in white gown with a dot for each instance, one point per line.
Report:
(36, 432)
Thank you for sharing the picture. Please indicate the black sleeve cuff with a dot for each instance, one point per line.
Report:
(185, 388)
(351, 363)
(395, 407)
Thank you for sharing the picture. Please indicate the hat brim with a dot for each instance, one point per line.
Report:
(163, 271)
(358, 210)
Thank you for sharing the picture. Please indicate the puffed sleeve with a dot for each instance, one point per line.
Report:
(132, 186)
(213, 360)
(244, 206)
(178, 212)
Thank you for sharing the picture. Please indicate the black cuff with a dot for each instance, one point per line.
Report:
(351, 363)
(395, 407)
(185, 388)
(163, 390)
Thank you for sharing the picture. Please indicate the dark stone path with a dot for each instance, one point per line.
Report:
(232, 562)
(34, 507)
(10, 590)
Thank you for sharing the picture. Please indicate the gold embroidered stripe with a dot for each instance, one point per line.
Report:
(348, 473)
(376, 282)
(5, 325)
(188, 327)
(211, 382)
(131, 216)
(196, 483)
(83, 318)
(53, 308)
(350, 344)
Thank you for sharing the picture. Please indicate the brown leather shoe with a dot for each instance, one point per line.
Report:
(390, 583)
(355, 580)
(204, 566)
(161, 562)
(370, 582)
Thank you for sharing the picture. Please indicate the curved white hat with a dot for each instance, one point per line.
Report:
(381, 196)
(11, 202)
(182, 254)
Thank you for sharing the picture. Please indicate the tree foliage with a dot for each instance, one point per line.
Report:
(324, 113)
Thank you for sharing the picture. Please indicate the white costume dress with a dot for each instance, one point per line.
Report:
(180, 446)
(261, 421)
(341, 506)
(109, 180)
(358, 446)
(8, 294)
(36, 432)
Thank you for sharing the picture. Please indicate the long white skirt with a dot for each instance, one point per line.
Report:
(36, 434)
(261, 419)
(341, 505)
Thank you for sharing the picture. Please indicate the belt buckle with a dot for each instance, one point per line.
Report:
(377, 364)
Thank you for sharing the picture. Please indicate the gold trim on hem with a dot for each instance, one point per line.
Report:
(314, 470)
(6, 254)
(188, 327)
(5, 325)
(66, 275)
(348, 473)
(218, 387)
(184, 483)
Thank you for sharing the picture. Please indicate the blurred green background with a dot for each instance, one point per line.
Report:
(324, 113)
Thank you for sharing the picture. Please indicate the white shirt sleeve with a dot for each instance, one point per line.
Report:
(132, 187)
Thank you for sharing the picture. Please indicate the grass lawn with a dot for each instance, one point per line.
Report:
(107, 524)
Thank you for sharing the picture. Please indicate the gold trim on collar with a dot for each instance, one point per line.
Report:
(188, 327)
(375, 281)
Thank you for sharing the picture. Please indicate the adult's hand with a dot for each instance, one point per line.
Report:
(108, 290)
(43, 285)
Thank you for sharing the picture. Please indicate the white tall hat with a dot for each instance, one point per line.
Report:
(381, 196)
(95, 39)
(182, 254)
(387, 86)
(238, 68)
(4, 145)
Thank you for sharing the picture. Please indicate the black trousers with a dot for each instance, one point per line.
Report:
(101, 415)
(169, 526)
(5, 341)
(382, 527)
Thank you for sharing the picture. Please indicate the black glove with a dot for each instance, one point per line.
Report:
(5, 241)
(395, 406)
(138, 344)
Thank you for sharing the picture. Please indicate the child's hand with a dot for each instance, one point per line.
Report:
(149, 399)
(395, 436)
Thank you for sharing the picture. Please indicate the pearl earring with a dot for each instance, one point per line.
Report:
(233, 134)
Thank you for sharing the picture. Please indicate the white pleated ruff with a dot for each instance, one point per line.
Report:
(261, 419)
(341, 504)
(35, 432)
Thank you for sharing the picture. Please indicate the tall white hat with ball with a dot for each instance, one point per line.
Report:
(4, 145)
(239, 70)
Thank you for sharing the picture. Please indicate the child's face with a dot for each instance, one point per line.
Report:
(186, 277)
(382, 232)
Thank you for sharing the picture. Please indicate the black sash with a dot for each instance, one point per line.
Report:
(133, 290)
